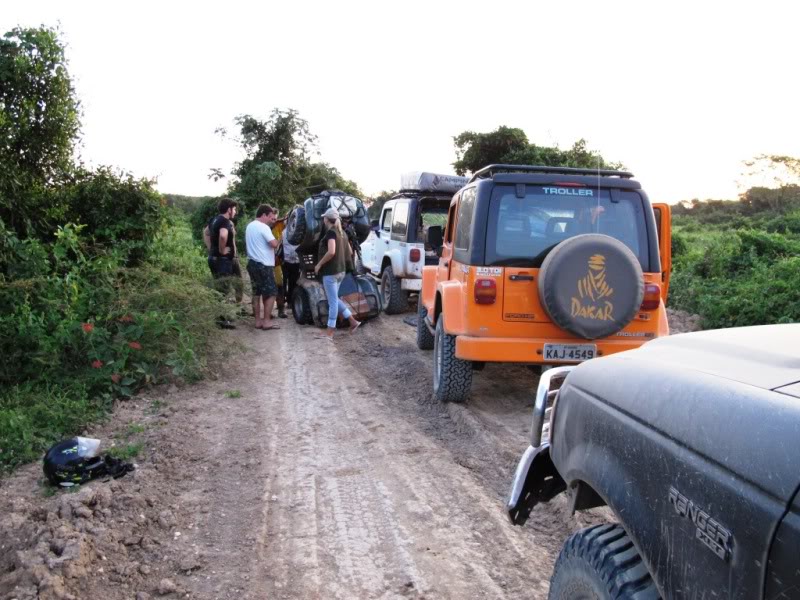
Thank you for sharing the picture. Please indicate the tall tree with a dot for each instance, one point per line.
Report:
(278, 166)
(39, 124)
(511, 146)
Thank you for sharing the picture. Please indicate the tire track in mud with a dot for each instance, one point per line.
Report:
(362, 503)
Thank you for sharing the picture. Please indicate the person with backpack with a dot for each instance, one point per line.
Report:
(335, 257)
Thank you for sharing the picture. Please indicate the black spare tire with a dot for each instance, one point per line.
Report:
(591, 285)
(296, 225)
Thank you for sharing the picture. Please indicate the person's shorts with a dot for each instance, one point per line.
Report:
(220, 267)
(262, 279)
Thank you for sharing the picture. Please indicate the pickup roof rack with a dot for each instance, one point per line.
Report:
(490, 170)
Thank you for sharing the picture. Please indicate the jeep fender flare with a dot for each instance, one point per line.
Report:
(586, 487)
(427, 295)
(452, 294)
(392, 258)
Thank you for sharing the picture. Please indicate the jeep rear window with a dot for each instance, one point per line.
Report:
(521, 231)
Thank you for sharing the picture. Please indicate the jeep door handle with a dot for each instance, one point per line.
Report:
(446, 263)
(516, 277)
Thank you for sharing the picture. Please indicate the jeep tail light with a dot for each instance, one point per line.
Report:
(414, 255)
(485, 291)
(652, 296)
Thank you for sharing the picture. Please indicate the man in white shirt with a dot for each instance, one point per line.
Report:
(261, 246)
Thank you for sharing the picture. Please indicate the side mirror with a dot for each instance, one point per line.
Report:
(373, 224)
(435, 238)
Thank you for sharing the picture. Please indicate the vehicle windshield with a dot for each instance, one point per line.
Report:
(522, 230)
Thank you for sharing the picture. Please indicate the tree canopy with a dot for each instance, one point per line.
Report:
(278, 168)
(510, 145)
(39, 124)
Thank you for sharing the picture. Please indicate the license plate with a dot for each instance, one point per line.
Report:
(569, 352)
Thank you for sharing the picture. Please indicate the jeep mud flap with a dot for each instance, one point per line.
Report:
(535, 480)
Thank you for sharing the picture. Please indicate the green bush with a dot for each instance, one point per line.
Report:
(89, 329)
(737, 277)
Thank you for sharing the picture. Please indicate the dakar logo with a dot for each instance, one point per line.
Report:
(593, 293)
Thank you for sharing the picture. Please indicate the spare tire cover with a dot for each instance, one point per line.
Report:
(591, 285)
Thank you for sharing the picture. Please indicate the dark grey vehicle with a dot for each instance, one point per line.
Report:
(693, 441)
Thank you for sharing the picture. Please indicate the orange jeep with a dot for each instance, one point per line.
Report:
(542, 265)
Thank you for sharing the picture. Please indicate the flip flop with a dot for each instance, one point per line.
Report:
(354, 327)
(270, 327)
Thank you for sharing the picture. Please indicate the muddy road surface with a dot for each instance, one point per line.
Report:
(307, 469)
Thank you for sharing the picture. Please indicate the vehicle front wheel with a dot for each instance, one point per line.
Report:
(601, 563)
(395, 299)
(424, 336)
(452, 377)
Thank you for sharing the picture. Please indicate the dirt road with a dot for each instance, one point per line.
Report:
(308, 469)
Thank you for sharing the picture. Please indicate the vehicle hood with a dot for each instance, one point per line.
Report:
(766, 356)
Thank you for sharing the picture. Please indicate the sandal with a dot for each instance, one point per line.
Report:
(270, 327)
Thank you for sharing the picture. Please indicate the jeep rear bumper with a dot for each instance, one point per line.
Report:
(411, 284)
(530, 350)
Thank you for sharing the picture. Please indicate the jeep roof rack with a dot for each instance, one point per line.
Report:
(490, 170)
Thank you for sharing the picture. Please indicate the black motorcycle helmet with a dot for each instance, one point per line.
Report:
(64, 465)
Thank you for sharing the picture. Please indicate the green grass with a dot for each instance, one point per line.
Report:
(134, 429)
(233, 394)
(127, 451)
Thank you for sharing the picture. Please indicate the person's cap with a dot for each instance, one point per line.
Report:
(331, 214)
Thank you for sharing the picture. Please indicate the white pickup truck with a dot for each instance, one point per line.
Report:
(395, 251)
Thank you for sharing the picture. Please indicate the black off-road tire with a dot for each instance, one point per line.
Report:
(395, 299)
(424, 336)
(296, 226)
(601, 563)
(301, 307)
(452, 377)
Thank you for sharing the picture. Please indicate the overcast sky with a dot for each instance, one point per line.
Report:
(681, 93)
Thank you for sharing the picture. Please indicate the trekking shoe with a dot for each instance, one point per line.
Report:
(282, 315)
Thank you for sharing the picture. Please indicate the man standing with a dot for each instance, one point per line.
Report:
(221, 243)
(261, 244)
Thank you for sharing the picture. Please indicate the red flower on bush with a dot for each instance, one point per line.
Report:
(116, 378)
(96, 364)
(87, 327)
(126, 319)
(135, 345)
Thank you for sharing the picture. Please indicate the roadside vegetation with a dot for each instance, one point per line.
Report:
(737, 263)
(102, 288)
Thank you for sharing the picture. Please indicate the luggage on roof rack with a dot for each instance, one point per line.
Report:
(422, 181)
(490, 170)
(304, 225)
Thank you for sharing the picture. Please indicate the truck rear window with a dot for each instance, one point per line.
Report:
(521, 231)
